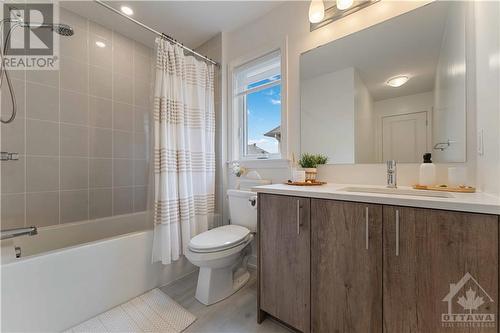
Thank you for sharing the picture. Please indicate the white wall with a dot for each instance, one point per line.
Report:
(450, 89)
(289, 24)
(327, 103)
(487, 28)
(364, 122)
(397, 106)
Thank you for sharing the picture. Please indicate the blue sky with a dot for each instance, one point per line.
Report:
(264, 114)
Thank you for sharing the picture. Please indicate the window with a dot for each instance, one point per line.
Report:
(257, 107)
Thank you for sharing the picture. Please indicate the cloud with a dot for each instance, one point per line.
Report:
(275, 101)
(259, 141)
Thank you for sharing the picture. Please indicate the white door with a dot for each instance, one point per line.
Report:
(404, 137)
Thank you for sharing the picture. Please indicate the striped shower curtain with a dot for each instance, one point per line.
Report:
(184, 152)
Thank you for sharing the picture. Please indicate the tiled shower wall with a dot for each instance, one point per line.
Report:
(82, 132)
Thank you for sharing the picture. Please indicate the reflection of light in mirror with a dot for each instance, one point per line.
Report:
(127, 10)
(457, 69)
(494, 60)
(397, 81)
(100, 44)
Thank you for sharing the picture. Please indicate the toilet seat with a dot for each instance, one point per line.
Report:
(219, 239)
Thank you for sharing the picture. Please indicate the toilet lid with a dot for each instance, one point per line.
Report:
(219, 238)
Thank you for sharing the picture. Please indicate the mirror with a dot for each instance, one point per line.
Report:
(390, 92)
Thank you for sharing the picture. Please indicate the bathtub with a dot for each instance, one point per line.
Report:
(70, 273)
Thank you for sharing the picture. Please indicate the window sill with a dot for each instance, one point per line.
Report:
(271, 163)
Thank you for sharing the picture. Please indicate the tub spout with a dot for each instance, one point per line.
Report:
(17, 232)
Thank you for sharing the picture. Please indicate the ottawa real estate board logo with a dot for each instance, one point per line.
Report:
(29, 36)
(469, 305)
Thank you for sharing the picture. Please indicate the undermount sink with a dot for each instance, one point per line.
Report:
(397, 191)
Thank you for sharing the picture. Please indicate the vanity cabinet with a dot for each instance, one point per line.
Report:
(425, 251)
(284, 275)
(336, 266)
(346, 266)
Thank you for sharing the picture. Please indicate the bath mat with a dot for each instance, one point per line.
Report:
(153, 311)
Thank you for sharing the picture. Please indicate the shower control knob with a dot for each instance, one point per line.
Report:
(6, 156)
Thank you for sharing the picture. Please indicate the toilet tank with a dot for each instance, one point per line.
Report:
(243, 208)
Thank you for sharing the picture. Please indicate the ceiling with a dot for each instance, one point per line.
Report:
(190, 22)
(408, 44)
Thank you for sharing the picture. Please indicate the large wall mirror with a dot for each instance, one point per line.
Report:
(390, 92)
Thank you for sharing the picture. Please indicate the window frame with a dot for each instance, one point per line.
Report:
(237, 135)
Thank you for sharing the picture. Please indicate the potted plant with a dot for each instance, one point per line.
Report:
(309, 163)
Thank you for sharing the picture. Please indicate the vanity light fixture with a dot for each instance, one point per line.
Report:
(336, 11)
(100, 44)
(127, 10)
(316, 11)
(397, 81)
(344, 4)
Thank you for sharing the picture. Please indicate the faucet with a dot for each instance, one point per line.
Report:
(11, 233)
(391, 174)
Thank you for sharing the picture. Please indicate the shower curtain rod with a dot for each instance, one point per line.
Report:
(167, 37)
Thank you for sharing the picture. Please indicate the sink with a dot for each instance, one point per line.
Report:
(397, 191)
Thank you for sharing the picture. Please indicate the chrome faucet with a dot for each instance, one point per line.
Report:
(391, 174)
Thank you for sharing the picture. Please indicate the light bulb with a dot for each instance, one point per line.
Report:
(316, 11)
(344, 4)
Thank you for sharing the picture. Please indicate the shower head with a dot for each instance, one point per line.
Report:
(59, 28)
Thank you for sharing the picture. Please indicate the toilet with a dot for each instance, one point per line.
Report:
(222, 253)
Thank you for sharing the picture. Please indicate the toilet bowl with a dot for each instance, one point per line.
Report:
(222, 253)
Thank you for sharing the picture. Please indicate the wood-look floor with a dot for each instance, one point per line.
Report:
(236, 314)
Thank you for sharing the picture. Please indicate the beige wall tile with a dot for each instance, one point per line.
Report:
(123, 116)
(122, 144)
(101, 112)
(42, 102)
(12, 211)
(142, 93)
(141, 146)
(48, 78)
(76, 46)
(142, 68)
(100, 82)
(42, 173)
(123, 55)
(74, 140)
(12, 173)
(123, 200)
(123, 88)
(74, 75)
(123, 172)
(74, 206)
(141, 172)
(101, 172)
(140, 199)
(100, 30)
(100, 56)
(19, 91)
(101, 141)
(101, 203)
(42, 137)
(12, 136)
(42, 209)
(142, 119)
(74, 173)
(74, 107)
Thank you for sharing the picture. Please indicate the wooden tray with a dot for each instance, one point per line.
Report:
(310, 183)
(460, 189)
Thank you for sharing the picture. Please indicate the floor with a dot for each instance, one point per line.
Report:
(236, 314)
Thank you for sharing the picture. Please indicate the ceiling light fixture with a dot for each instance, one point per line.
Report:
(127, 10)
(100, 44)
(316, 11)
(344, 4)
(397, 81)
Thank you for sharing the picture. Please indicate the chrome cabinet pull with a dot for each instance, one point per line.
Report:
(298, 217)
(367, 231)
(397, 232)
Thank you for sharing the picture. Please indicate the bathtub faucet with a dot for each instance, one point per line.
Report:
(11, 233)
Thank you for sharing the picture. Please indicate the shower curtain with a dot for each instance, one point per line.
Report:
(184, 152)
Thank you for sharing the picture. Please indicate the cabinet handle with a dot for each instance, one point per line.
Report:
(397, 232)
(298, 216)
(367, 231)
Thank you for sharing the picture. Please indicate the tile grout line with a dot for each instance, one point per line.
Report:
(88, 120)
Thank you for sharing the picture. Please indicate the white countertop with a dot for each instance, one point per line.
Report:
(466, 202)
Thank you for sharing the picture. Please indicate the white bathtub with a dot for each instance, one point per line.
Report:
(57, 284)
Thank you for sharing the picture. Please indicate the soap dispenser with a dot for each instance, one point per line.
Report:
(427, 171)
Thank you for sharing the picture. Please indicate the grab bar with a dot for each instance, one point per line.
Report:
(17, 232)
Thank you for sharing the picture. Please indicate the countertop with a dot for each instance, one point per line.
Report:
(466, 202)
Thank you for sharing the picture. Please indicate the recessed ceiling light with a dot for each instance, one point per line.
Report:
(100, 44)
(397, 81)
(127, 10)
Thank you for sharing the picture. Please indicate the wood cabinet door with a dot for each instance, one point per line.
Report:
(439, 266)
(284, 259)
(346, 267)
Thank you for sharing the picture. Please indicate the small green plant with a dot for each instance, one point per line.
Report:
(311, 160)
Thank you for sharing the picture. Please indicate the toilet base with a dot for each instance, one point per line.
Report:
(216, 284)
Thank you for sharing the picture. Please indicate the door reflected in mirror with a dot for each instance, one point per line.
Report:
(393, 91)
